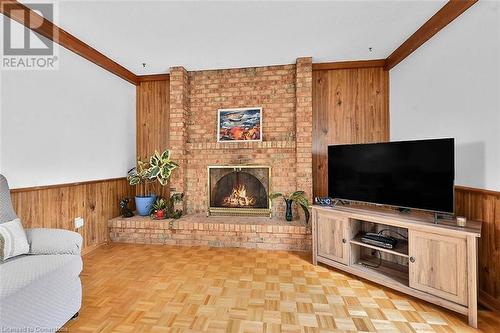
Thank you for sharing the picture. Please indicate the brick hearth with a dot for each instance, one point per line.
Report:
(197, 229)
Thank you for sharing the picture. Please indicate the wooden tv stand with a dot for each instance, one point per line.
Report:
(436, 262)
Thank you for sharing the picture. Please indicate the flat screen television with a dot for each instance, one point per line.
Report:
(410, 174)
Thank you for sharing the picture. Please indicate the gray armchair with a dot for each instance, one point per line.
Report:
(39, 291)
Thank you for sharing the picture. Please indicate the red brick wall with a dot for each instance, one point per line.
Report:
(304, 125)
(274, 88)
(179, 110)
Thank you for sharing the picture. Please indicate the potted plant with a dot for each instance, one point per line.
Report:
(139, 177)
(175, 198)
(165, 208)
(298, 197)
(159, 209)
(159, 168)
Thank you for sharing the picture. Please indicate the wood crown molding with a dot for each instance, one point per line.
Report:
(450, 11)
(46, 187)
(153, 77)
(349, 64)
(18, 12)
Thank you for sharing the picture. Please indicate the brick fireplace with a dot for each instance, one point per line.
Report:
(285, 94)
(240, 190)
(235, 178)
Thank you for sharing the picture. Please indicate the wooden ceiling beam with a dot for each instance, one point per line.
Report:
(450, 11)
(153, 77)
(17, 11)
(349, 64)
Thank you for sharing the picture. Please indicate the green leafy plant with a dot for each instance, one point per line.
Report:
(165, 208)
(140, 176)
(298, 197)
(159, 209)
(175, 198)
(159, 168)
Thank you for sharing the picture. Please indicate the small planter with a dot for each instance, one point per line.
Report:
(159, 214)
(298, 197)
(144, 203)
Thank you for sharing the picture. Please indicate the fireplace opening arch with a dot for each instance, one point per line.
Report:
(239, 190)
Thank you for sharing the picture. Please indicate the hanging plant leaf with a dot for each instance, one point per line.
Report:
(165, 155)
(275, 195)
(306, 212)
(165, 173)
(171, 165)
(134, 180)
(154, 172)
(163, 181)
(154, 161)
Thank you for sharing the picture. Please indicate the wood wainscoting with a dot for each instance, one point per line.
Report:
(349, 106)
(57, 206)
(484, 205)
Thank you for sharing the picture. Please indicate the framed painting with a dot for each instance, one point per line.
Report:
(235, 125)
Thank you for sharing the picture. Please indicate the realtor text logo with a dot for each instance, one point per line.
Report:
(28, 37)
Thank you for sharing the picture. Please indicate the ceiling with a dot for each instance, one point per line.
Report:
(227, 34)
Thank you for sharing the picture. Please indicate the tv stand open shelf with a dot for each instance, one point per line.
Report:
(401, 248)
(434, 262)
(388, 269)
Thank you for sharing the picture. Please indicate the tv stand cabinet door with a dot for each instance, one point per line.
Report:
(331, 236)
(438, 265)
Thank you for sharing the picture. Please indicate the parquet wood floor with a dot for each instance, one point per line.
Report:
(148, 288)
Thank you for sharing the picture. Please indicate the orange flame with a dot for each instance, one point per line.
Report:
(239, 198)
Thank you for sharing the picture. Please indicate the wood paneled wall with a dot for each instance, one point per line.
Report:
(349, 106)
(58, 206)
(484, 206)
(153, 107)
(153, 116)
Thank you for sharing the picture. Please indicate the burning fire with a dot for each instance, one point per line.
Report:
(239, 197)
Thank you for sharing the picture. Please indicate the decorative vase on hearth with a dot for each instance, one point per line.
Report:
(288, 213)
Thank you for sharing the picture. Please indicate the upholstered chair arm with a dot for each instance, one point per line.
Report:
(54, 241)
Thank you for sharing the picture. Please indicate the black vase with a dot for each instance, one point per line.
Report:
(288, 214)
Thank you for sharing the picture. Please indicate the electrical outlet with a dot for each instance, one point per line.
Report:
(79, 222)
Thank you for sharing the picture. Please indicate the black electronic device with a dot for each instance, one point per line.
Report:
(386, 242)
(323, 201)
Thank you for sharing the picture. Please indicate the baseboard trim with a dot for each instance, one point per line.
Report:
(92, 248)
(488, 301)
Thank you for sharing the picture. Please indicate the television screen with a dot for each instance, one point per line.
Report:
(411, 174)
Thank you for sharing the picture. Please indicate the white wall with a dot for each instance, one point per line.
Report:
(450, 87)
(68, 125)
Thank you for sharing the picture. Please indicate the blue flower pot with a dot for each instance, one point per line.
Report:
(143, 204)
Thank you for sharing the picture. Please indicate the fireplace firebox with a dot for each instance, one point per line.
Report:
(240, 190)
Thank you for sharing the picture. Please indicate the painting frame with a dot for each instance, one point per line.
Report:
(247, 111)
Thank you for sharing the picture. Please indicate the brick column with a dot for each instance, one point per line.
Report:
(304, 125)
(179, 108)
